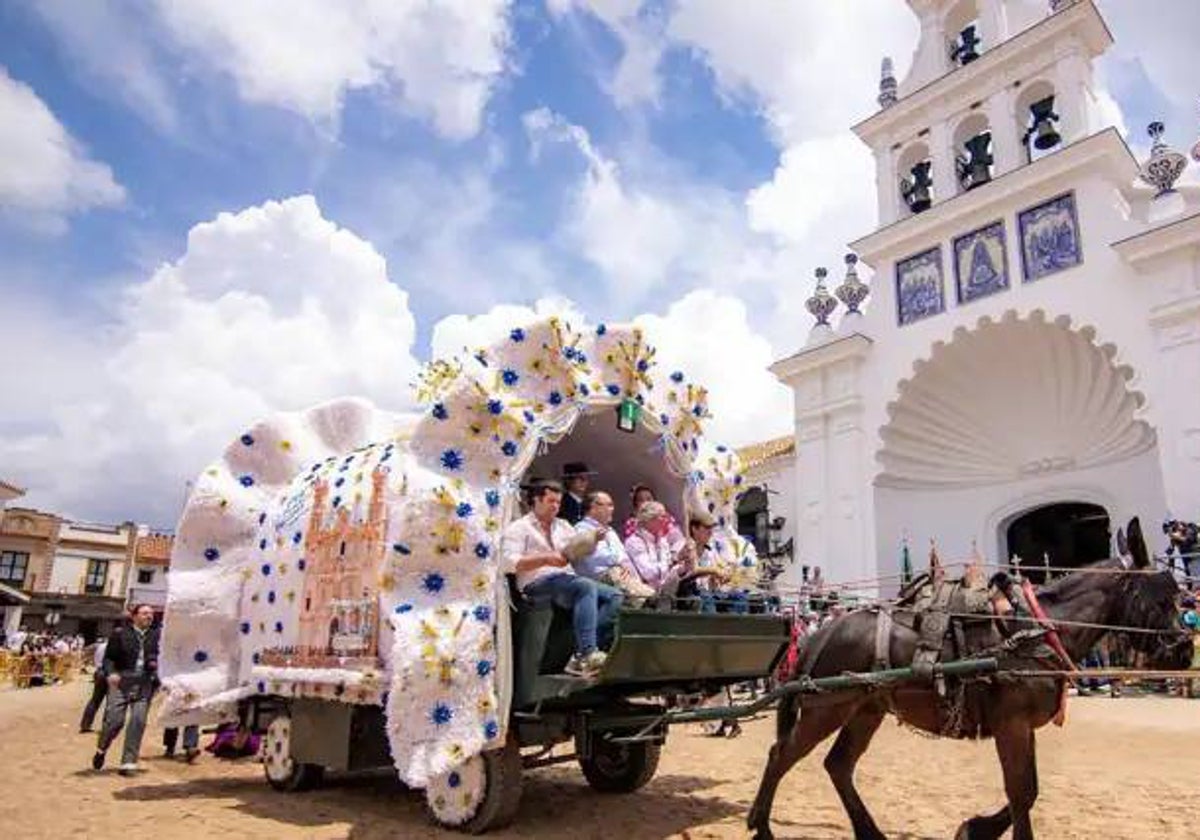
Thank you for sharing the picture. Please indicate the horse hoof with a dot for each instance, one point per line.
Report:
(964, 832)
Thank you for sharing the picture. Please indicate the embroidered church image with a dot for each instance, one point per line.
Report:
(344, 552)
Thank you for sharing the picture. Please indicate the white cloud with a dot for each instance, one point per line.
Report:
(813, 68)
(642, 235)
(272, 308)
(635, 79)
(111, 43)
(439, 58)
(45, 174)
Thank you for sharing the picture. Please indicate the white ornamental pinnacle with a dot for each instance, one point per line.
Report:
(853, 291)
(1165, 165)
(821, 304)
(887, 84)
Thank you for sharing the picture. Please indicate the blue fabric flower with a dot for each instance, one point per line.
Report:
(601, 329)
(202, 656)
(677, 376)
(246, 480)
(401, 548)
(722, 447)
(698, 410)
(454, 780)
(244, 627)
(278, 626)
(452, 459)
(483, 667)
(482, 551)
(401, 609)
(301, 563)
(517, 335)
(262, 545)
(337, 501)
(439, 412)
(614, 390)
(643, 365)
(555, 398)
(491, 729)
(510, 377)
(296, 537)
(256, 657)
(528, 415)
(441, 714)
(266, 568)
(509, 448)
(262, 687)
(495, 407)
(464, 510)
(492, 497)
(664, 419)
(583, 389)
(271, 597)
(482, 613)
(339, 482)
(433, 583)
(247, 439)
(262, 517)
(211, 553)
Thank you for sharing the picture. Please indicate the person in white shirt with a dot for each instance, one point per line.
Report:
(532, 548)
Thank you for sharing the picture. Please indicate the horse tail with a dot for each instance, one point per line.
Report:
(789, 711)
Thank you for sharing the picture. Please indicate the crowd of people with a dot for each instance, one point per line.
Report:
(566, 550)
(33, 659)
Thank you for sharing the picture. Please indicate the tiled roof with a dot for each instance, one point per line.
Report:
(756, 454)
(154, 548)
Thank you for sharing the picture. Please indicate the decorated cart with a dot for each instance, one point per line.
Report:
(337, 580)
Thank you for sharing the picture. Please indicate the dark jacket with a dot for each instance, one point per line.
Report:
(570, 509)
(121, 655)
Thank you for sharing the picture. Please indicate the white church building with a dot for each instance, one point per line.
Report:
(1022, 373)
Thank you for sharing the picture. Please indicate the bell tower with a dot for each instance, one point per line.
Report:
(993, 85)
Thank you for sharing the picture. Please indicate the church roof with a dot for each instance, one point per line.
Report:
(754, 455)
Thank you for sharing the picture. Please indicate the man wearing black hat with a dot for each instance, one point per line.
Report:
(575, 475)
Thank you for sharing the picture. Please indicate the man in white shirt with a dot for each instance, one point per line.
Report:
(533, 549)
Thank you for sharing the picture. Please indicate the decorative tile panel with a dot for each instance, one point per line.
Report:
(1049, 237)
(920, 288)
(980, 263)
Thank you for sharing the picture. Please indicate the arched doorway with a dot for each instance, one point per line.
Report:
(1070, 534)
(753, 518)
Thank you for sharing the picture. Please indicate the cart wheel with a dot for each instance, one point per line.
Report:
(481, 794)
(620, 768)
(283, 772)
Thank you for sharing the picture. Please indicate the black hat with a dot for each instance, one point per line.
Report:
(574, 469)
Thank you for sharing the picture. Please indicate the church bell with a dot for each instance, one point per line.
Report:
(976, 169)
(915, 189)
(1044, 134)
(965, 51)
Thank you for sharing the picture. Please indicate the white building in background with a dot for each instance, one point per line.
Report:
(1024, 376)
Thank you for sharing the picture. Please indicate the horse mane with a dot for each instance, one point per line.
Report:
(1068, 587)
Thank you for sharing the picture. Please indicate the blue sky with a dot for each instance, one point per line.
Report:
(685, 159)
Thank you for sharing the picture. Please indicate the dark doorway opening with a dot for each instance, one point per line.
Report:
(753, 519)
(1067, 534)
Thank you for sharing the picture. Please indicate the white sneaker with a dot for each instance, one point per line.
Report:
(586, 664)
(129, 769)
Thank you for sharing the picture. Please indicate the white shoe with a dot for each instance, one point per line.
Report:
(585, 665)
(129, 769)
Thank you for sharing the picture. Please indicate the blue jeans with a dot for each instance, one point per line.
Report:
(593, 606)
(726, 601)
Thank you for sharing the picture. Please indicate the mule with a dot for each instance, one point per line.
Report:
(1008, 710)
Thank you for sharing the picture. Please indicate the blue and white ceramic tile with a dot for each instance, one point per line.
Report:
(1049, 237)
(919, 286)
(980, 263)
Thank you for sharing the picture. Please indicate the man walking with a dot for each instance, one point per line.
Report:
(99, 689)
(131, 662)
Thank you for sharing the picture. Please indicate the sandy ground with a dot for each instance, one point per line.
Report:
(1120, 769)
